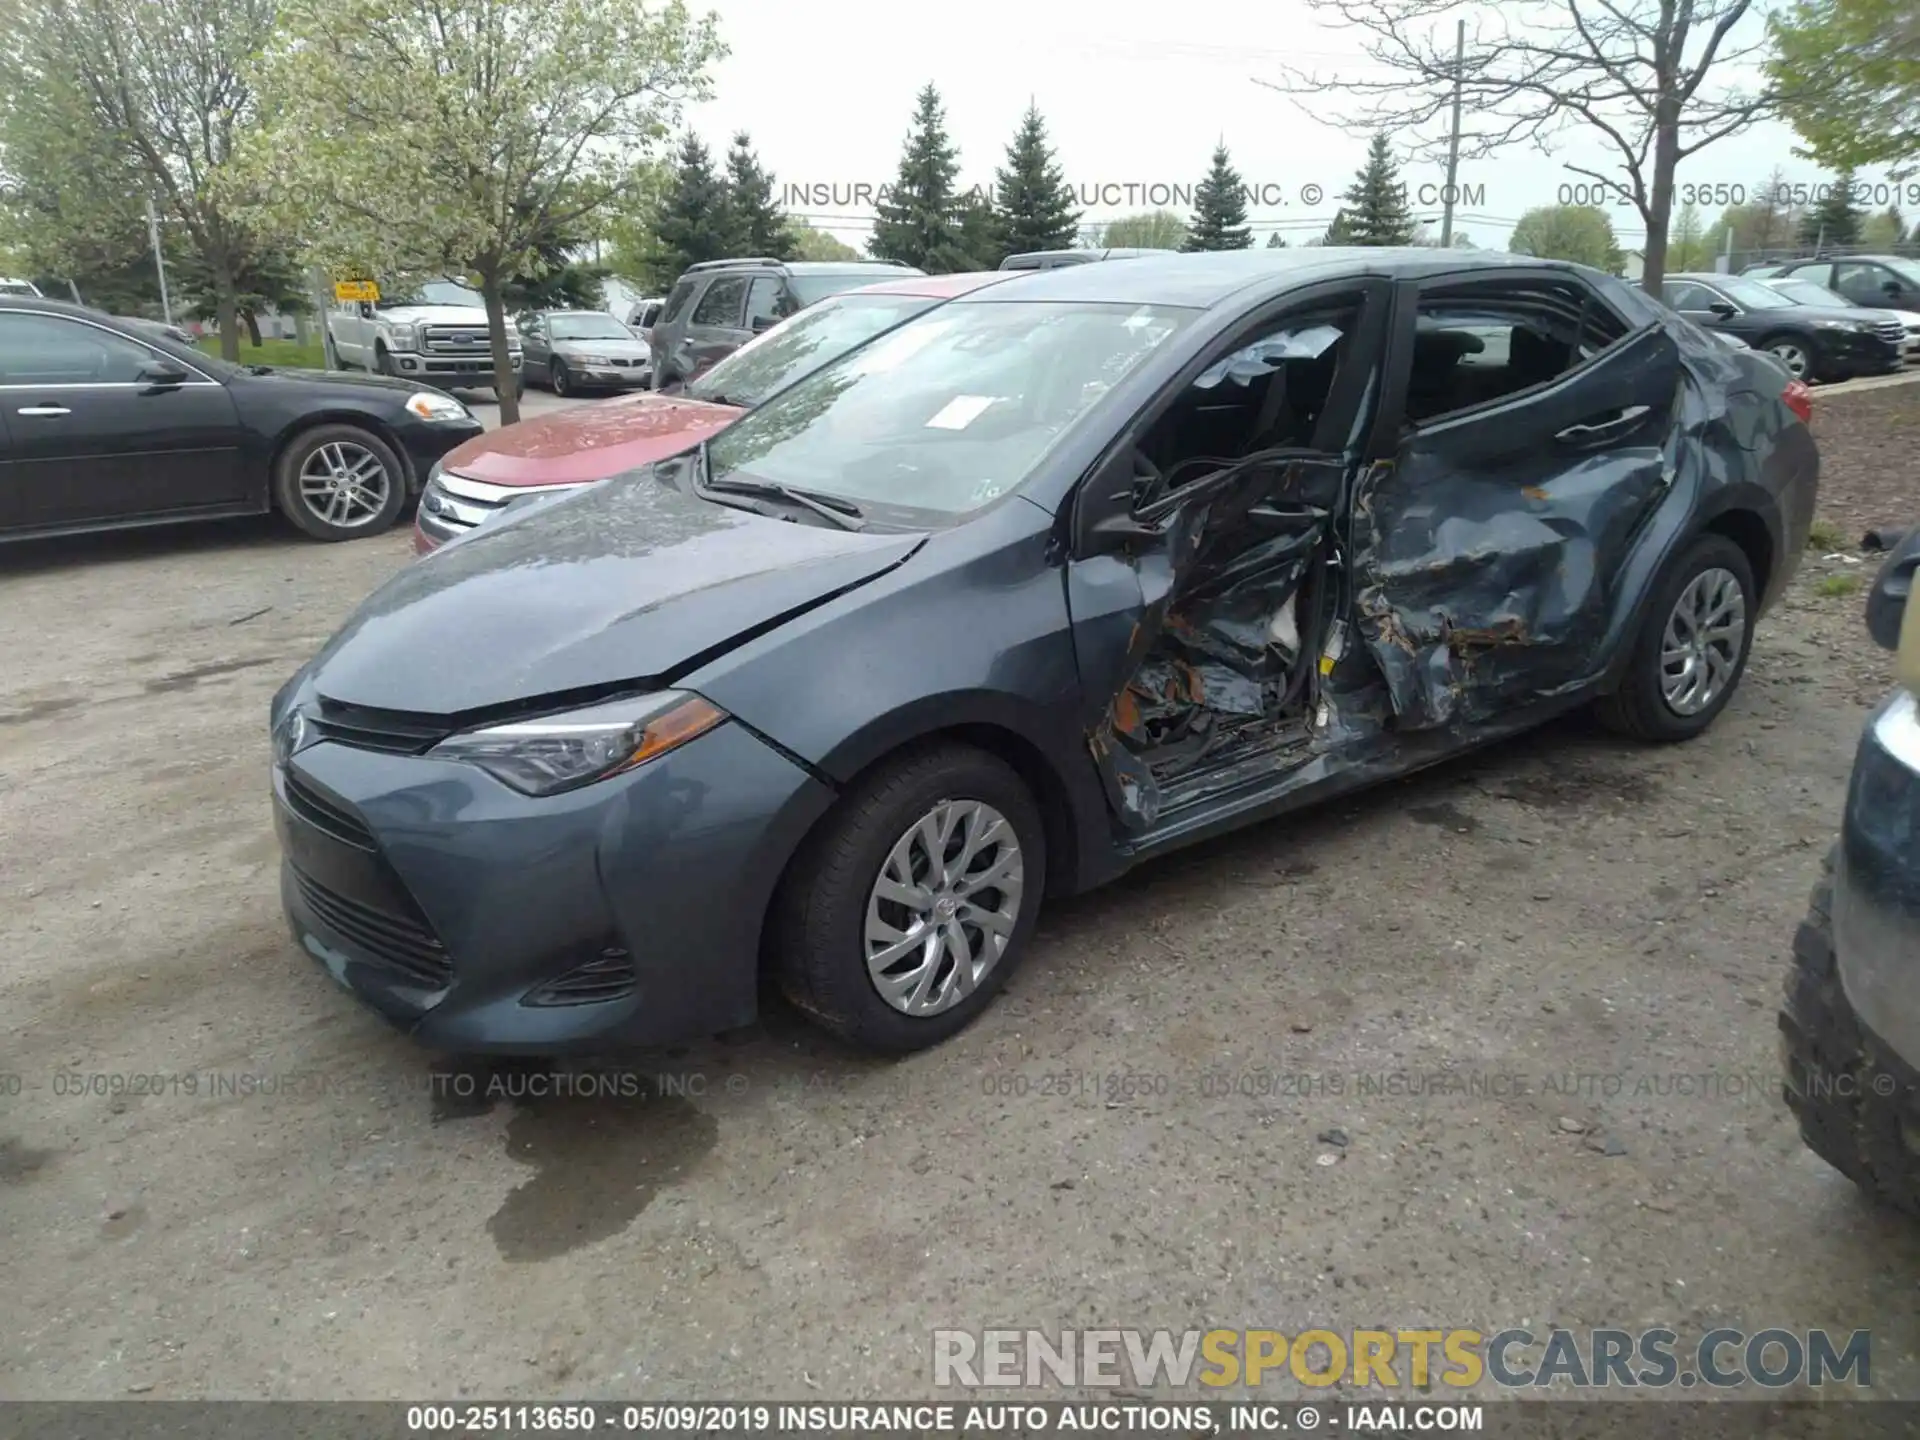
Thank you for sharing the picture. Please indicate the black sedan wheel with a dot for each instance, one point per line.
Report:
(908, 909)
(1692, 648)
(1794, 353)
(562, 381)
(338, 482)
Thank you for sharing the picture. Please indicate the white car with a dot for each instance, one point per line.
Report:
(1804, 291)
(19, 287)
(438, 334)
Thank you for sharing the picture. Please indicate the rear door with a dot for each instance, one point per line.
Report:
(717, 326)
(535, 347)
(1533, 421)
(93, 439)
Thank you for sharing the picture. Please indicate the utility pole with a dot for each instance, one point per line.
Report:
(1453, 140)
(159, 262)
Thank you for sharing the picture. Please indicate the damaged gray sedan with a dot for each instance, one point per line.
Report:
(1058, 577)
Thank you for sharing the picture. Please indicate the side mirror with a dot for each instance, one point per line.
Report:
(1892, 287)
(1722, 309)
(763, 323)
(160, 373)
(1892, 588)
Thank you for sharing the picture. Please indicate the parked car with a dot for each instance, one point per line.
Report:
(435, 332)
(18, 287)
(1807, 292)
(1850, 1027)
(577, 447)
(1813, 343)
(641, 315)
(110, 424)
(1886, 282)
(1053, 259)
(716, 307)
(569, 350)
(161, 328)
(1060, 576)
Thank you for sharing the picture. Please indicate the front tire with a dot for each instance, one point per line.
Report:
(907, 909)
(1692, 647)
(1856, 1110)
(1794, 353)
(340, 482)
(382, 361)
(560, 381)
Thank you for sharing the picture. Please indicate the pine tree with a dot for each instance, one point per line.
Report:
(1377, 201)
(1340, 232)
(760, 225)
(982, 239)
(1219, 208)
(1275, 241)
(695, 220)
(918, 219)
(1836, 219)
(1031, 193)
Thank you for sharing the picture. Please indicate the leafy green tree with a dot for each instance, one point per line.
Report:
(760, 226)
(1849, 76)
(919, 217)
(1581, 233)
(266, 279)
(1686, 247)
(557, 278)
(1149, 230)
(159, 94)
(1276, 241)
(812, 244)
(1219, 208)
(1884, 229)
(1836, 219)
(458, 136)
(1031, 193)
(1376, 207)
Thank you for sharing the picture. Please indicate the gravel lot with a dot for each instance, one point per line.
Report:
(1595, 931)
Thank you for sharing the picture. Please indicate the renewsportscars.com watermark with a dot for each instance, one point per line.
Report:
(1514, 1359)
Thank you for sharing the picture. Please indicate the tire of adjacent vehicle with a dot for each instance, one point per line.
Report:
(1637, 707)
(382, 361)
(818, 918)
(286, 482)
(1807, 375)
(1857, 1110)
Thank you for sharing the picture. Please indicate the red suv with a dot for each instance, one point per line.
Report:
(576, 447)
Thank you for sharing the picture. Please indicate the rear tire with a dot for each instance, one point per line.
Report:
(1857, 1110)
(302, 494)
(1643, 706)
(831, 900)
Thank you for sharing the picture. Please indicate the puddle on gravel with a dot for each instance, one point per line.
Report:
(601, 1146)
(1445, 816)
(1576, 787)
(20, 1163)
(187, 679)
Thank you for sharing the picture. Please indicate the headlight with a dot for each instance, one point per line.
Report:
(594, 360)
(429, 406)
(291, 735)
(564, 752)
(403, 337)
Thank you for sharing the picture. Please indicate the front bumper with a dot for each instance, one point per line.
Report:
(636, 376)
(1876, 890)
(463, 370)
(453, 505)
(447, 901)
(1861, 353)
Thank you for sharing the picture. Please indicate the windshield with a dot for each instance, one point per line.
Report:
(812, 289)
(1807, 292)
(1750, 293)
(801, 345)
(587, 327)
(439, 292)
(950, 411)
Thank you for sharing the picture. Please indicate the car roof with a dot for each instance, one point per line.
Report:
(938, 287)
(1203, 279)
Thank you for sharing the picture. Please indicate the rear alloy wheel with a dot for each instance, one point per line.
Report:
(562, 382)
(907, 910)
(1796, 355)
(338, 482)
(1692, 647)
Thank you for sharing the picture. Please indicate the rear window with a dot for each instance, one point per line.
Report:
(676, 302)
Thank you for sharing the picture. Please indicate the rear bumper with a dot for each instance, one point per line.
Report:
(448, 903)
(1876, 890)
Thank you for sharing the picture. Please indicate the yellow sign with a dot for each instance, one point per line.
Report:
(355, 290)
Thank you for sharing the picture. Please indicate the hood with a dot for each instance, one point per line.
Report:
(351, 379)
(632, 347)
(1852, 315)
(589, 442)
(622, 582)
(439, 315)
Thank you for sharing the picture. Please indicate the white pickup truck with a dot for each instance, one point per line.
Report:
(437, 333)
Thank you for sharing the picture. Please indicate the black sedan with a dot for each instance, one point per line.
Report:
(1814, 343)
(107, 423)
(1059, 576)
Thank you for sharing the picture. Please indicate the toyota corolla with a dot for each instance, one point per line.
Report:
(1049, 581)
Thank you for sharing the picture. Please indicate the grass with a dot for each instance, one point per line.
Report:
(1825, 535)
(287, 353)
(1835, 587)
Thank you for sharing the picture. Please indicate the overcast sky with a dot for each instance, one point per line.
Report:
(1134, 95)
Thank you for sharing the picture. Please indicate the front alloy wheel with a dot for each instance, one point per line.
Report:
(337, 482)
(1793, 355)
(905, 911)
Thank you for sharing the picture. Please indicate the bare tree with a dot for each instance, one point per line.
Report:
(1637, 75)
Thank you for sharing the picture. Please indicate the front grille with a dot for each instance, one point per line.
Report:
(456, 339)
(609, 977)
(404, 945)
(1891, 331)
(392, 732)
(326, 816)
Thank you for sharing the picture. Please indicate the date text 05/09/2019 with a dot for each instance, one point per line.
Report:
(1145, 1419)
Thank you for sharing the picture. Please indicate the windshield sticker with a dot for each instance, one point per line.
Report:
(960, 412)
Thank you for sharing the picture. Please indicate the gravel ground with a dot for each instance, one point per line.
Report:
(1589, 934)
